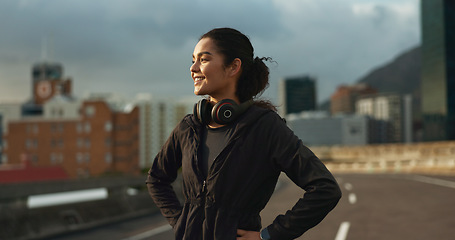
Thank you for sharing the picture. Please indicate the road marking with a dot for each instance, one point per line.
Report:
(352, 198)
(150, 233)
(343, 231)
(348, 186)
(433, 181)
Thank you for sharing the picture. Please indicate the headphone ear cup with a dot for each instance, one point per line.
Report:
(224, 111)
(202, 111)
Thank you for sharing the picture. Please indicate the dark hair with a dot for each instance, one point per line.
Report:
(255, 74)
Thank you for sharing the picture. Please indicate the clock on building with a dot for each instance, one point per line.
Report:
(44, 89)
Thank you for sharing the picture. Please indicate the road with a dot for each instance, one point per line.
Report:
(373, 207)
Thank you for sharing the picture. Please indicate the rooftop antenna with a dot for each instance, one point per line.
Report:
(47, 48)
(44, 49)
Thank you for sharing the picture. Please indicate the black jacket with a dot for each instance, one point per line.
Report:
(240, 181)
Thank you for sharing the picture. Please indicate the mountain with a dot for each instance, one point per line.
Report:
(401, 75)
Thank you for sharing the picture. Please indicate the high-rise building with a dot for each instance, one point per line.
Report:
(438, 69)
(157, 118)
(297, 94)
(389, 110)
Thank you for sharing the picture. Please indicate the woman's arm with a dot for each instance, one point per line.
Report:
(160, 177)
(322, 192)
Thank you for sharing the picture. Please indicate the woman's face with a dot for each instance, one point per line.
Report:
(209, 73)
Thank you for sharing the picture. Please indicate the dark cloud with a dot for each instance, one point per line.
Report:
(145, 46)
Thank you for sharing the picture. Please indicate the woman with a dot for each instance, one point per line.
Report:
(231, 152)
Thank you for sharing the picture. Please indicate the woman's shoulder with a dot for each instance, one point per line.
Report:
(260, 116)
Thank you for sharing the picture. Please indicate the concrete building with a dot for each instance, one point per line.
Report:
(391, 113)
(438, 69)
(158, 117)
(297, 94)
(321, 129)
(8, 112)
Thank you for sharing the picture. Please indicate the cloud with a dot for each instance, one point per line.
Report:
(141, 45)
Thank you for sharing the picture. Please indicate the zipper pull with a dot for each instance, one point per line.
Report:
(204, 186)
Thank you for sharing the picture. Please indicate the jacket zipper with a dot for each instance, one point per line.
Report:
(204, 187)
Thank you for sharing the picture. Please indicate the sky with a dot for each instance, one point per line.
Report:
(145, 46)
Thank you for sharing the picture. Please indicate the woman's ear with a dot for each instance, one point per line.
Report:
(235, 67)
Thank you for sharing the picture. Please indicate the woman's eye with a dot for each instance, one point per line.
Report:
(203, 60)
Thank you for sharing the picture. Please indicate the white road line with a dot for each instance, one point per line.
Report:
(348, 186)
(150, 233)
(434, 181)
(352, 198)
(343, 231)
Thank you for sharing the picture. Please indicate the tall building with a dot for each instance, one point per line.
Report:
(157, 118)
(391, 114)
(344, 99)
(438, 69)
(297, 94)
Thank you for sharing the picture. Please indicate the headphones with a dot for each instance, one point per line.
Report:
(223, 112)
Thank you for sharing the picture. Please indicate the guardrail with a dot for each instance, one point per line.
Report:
(428, 157)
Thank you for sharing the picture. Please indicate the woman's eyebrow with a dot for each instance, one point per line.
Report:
(202, 53)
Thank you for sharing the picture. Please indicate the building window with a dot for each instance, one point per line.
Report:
(87, 157)
(80, 142)
(107, 142)
(108, 157)
(79, 157)
(87, 127)
(108, 126)
(57, 128)
(32, 128)
(53, 158)
(4, 158)
(57, 143)
(89, 111)
(31, 143)
(87, 143)
(79, 127)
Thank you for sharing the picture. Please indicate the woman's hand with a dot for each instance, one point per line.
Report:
(245, 235)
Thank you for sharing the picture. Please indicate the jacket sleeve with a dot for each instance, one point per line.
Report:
(322, 192)
(162, 174)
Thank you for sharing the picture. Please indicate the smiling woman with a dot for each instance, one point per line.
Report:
(232, 150)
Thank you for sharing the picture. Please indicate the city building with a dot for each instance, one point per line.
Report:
(438, 69)
(393, 115)
(99, 140)
(8, 112)
(344, 99)
(321, 129)
(158, 117)
(297, 94)
(47, 80)
(91, 137)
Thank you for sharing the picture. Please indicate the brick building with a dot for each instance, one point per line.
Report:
(344, 99)
(86, 138)
(100, 140)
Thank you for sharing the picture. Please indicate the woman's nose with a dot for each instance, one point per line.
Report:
(194, 67)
